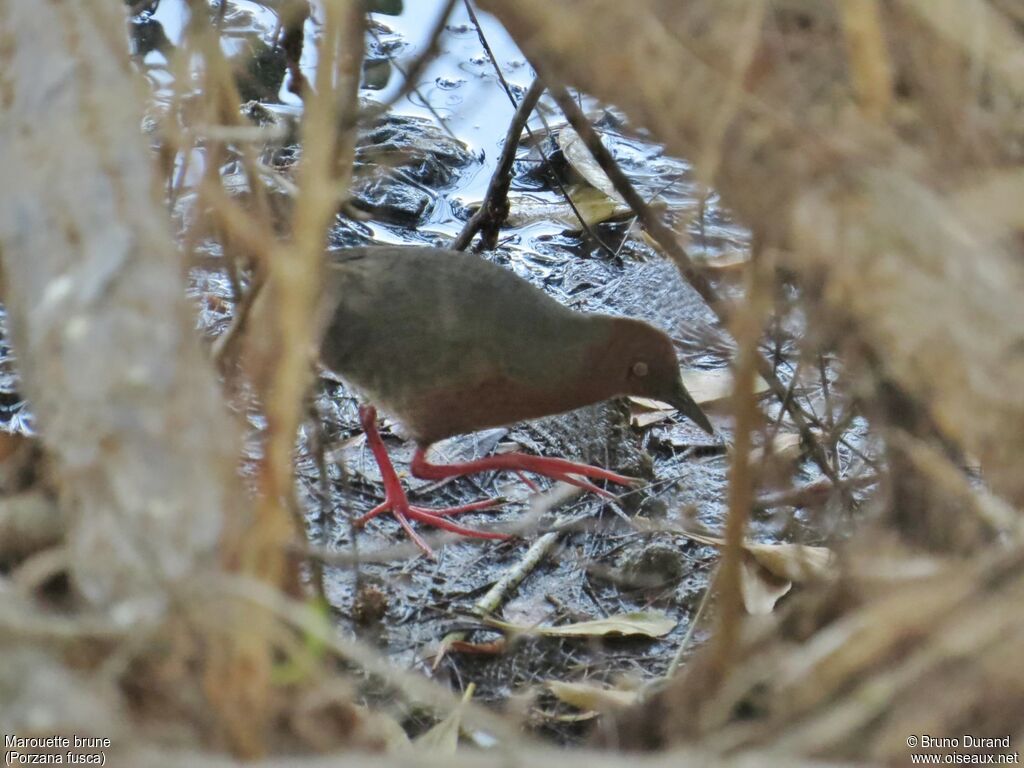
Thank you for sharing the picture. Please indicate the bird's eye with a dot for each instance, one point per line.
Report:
(639, 369)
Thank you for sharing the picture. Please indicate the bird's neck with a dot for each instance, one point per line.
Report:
(606, 358)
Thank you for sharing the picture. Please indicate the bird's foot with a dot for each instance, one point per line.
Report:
(403, 512)
(396, 501)
(556, 468)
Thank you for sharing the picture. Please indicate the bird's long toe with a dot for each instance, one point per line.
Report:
(403, 512)
(437, 518)
(567, 471)
(380, 509)
(475, 506)
(411, 533)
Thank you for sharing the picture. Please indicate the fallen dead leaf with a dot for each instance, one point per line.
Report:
(578, 156)
(643, 419)
(784, 446)
(644, 411)
(637, 624)
(796, 562)
(570, 717)
(760, 588)
(715, 386)
(770, 570)
(592, 698)
(648, 403)
(493, 648)
(443, 738)
(728, 261)
(593, 204)
(707, 387)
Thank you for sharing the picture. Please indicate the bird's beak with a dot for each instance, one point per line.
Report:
(687, 406)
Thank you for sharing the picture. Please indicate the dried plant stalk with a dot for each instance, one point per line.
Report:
(239, 679)
(868, 56)
(125, 401)
(747, 326)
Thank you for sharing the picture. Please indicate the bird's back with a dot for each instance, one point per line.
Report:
(449, 342)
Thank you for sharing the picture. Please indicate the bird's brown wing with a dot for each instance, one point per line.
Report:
(449, 342)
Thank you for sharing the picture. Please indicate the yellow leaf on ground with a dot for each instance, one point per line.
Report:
(770, 570)
(593, 205)
(760, 588)
(784, 446)
(443, 738)
(636, 624)
(715, 386)
(796, 562)
(578, 156)
(593, 698)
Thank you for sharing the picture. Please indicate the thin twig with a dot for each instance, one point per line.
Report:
(513, 577)
(487, 48)
(494, 209)
(584, 224)
(497, 594)
(677, 659)
(741, 478)
(317, 447)
(413, 88)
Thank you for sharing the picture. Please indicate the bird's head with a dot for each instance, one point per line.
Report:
(642, 362)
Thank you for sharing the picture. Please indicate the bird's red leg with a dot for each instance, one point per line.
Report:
(527, 482)
(397, 502)
(558, 469)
